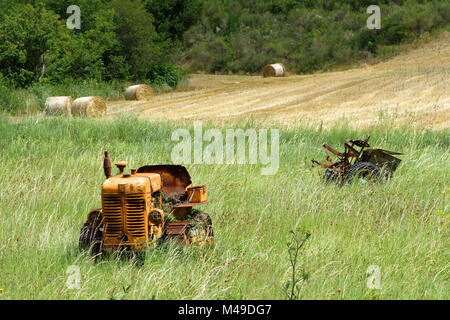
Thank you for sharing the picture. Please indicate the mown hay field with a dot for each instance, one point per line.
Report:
(52, 172)
(412, 88)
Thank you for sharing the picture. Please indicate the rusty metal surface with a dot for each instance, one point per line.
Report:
(197, 194)
(177, 231)
(190, 204)
(107, 165)
(384, 159)
(174, 228)
(175, 178)
(121, 165)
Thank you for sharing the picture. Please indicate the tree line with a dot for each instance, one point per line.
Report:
(154, 40)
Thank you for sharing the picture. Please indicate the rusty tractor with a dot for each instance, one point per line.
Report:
(146, 207)
(365, 164)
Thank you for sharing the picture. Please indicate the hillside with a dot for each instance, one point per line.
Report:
(413, 87)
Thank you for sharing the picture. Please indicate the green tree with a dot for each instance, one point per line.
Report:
(81, 54)
(174, 17)
(26, 34)
(139, 45)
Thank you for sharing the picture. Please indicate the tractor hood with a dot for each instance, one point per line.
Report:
(175, 178)
(135, 183)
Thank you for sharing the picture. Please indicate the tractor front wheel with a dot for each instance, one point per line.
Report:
(91, 238)
(332, 175)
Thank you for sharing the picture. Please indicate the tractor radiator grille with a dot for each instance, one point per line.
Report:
(112, 216)
(135, 215)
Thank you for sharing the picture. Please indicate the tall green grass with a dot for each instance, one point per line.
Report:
(32, 100)
(52, 172)
(29, 101)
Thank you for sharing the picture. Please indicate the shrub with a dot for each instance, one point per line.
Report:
(161, 74)
(387, 52)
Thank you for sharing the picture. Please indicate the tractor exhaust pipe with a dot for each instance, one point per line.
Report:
(107, 165)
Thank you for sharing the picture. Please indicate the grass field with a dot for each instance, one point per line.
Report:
(52, 172)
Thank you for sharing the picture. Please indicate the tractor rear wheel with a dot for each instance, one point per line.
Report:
(365, 171)
(199, 231)
(195, 231)
(91, 238)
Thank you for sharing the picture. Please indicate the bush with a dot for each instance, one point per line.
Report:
(161, 74)
(26, 34)
(387, 52)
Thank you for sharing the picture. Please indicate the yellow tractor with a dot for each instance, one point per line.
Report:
(146, 207)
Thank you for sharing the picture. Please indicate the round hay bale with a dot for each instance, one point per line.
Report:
(139, 92)
(274, 70)
(58, 106)
(89, 107)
